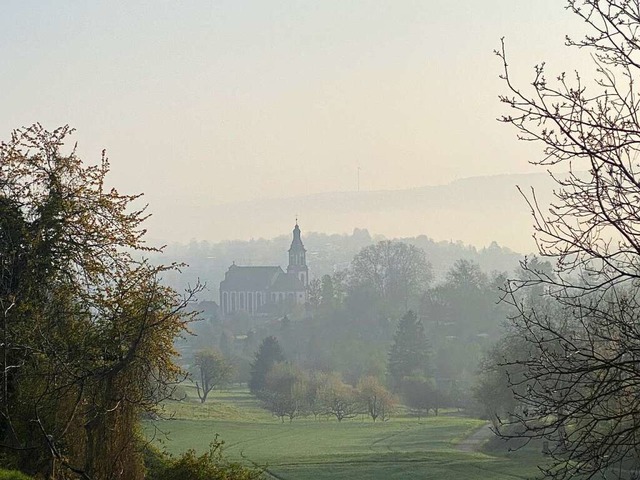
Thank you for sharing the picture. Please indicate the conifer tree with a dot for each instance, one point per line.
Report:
(269, 353)
(409, 354)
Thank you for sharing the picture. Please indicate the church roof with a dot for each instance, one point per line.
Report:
(250, 278)
(260, 279)
(287, 282)
(274, 279)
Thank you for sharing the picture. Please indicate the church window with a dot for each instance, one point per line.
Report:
(242, 304)
(250, 301)
(234, 305)
(225, 302)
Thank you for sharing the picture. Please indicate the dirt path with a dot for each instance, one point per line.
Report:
(474, 441)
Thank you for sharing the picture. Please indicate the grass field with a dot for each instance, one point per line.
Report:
(401, 448)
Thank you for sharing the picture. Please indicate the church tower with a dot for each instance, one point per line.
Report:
(297, 257)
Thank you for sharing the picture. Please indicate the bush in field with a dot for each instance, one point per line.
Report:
(12, 475)
(211, 465)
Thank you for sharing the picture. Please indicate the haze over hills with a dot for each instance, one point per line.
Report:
(475, 210)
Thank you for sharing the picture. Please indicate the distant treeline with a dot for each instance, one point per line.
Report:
(384, 317)
(326, 254)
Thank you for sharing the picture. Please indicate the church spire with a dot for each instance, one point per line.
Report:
(297, 257)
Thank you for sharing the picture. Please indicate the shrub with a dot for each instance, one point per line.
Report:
(211, 465)
(13, 475)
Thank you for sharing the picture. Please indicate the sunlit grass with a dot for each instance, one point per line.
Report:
(12, 475)
(358, 448)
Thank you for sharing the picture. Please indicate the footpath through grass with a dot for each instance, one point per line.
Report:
(402, 448)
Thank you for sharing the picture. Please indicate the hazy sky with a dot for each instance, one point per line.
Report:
(234, 100)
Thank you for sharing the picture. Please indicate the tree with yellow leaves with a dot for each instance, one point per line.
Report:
(86, 327)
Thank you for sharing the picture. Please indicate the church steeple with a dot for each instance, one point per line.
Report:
(297, 257)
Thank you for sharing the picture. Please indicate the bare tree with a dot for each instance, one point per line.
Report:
(583, 387)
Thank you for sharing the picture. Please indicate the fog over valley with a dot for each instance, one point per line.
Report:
(317, 240)
(476, 211)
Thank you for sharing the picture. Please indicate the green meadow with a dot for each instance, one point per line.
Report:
(401, 448)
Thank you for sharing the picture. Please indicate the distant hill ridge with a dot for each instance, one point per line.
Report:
(474, 210)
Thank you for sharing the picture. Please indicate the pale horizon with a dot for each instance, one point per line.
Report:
(227, 102)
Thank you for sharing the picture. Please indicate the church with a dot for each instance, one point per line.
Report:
(264, 290)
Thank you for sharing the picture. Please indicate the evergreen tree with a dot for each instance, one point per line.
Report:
(409, 354)
(268, 354)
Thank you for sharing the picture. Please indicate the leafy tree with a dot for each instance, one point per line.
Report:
(355, 358)
(583, 396)
(327, 293)
(464, 305)
(421, 395)
(286, 391)
(315, 384)
(339, 399)
(392, 271)
(500, 372)
(87, 328)
(379, 402)
(314, 294)
(462, 314)
(409, 354)
(213, 370)
(269, 353)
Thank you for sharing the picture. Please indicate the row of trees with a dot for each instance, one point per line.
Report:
(290, 392)
(353, 327)
(428, 357)
(352, 316)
